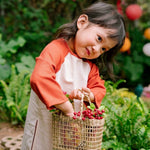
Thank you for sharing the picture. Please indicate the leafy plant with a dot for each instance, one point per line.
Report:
(11, 47)
(27, 64)
(16, 97)
(7, 50)
(127, 125)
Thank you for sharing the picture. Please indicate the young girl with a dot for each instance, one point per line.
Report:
(68, 64)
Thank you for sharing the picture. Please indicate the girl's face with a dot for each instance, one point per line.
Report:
(91, 40)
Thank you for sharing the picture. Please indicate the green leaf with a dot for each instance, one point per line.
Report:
(0, 37)
(115, 85)
(133, 70)
(21, 67)
(27, 63)
(101, 108)
(4, 71)
(10, 103)
(147, 60)
(92, 106)
(2, 61)
(3, 48)
(13, 45)
(21, 41)
(63, 1)
(52, 110)
(137, 57)
(4, 85)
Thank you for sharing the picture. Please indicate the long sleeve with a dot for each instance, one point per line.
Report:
(43, 79)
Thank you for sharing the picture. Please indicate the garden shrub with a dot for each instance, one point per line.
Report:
(14, 103)
(127, 125)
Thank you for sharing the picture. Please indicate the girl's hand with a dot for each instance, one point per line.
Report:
(88, 94)
(77, 94)
(66, 108)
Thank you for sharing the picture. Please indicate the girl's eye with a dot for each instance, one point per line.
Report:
(103, 49)
(99, 39)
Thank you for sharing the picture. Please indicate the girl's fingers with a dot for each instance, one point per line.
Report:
(75, 94)
(79, 94)
(86, 90)
(71, 96)
(88, 94)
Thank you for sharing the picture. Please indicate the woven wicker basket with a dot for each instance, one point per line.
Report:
(70, 134)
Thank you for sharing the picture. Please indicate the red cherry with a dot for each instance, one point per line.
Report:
(98, 118)
(96, 115)
(103, 111)
(74, 113)
(89, 111)
(83, 118)
(84, 112)
(90, 117)
(78, 114)
(100, 113)
(74, 117)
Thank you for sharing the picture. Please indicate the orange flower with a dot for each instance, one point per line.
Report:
(126, 46)
(147, 33)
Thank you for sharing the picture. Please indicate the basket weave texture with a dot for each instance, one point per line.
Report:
(70, 134)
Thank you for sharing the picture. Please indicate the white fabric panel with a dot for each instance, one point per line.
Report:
(67, 76)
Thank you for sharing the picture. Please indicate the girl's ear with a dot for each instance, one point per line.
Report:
(82, 21)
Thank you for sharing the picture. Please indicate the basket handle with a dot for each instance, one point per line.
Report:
(82, 99)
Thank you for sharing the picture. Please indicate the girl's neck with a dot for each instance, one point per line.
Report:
(70, 43)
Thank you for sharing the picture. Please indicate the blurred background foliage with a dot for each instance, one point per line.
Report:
(27, 26)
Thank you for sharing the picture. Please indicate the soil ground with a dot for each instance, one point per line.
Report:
(6, 129)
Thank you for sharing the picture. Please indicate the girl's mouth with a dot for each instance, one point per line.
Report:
(88, 52)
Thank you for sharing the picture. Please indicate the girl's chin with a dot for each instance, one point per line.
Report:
(83, 55)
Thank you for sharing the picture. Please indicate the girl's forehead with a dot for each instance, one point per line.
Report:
(103, 30)
(109, 30)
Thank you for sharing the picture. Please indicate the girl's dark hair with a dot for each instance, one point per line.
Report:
(105, 15)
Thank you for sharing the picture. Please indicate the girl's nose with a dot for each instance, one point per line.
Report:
(96, 48)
